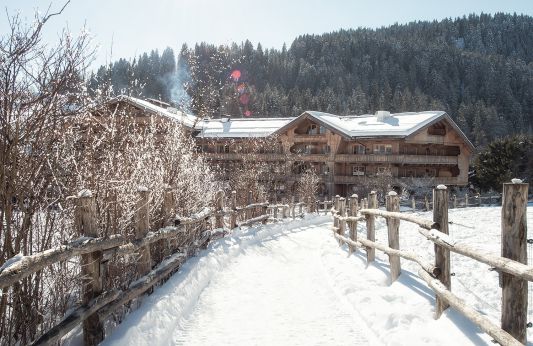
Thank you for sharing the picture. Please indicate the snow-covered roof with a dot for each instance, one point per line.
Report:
(383, 124)
(183, 118)
(240, 127)
(368, 125)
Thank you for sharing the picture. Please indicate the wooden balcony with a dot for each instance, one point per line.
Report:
(352, 179)
(268, 157)
(239, 156)
(438, 180)
(401, 159)
(343, 158)
(348, 179)
(321, 138)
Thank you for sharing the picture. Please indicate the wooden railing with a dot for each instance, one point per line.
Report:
(349, 158)
(404, 159)
(182, 237)
(512, 264)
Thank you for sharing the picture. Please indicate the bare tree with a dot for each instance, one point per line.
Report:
(307, 187)
(55, 141)
(39, 87)
(251, 172)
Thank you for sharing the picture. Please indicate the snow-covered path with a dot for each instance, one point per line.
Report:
(290, 284)
(262, 297)
(271, 289)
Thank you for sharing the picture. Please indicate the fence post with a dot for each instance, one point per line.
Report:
(219, 209)
(264, 211)
(285, 208)
(249, 211)
(393, 226)
(165, 246)
(86, 225)
(233, 206)
(336, 210)
(275, 211)
(370, 226)
(442, 255)
(142, 226)
(514, 246)
(293, 209)
(336, 202)
(353, 224)
(426, 202)
(365, 203)
(466, 200)
(454, 201)
(342, 223)
(413, 203)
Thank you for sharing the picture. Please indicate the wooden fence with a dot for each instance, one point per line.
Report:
(511, 265)
(180, 236)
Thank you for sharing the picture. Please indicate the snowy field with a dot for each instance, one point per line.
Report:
(291, 284)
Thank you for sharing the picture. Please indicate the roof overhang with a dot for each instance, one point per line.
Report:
(449, 120)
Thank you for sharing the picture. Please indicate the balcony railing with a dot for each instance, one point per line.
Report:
(269, 157)
(404, 159)
(350, 179)
(321, 137)
(348, 158)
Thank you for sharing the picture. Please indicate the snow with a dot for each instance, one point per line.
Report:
(12, 261)
(401, 124)
(85, 193)
(398, 124)
(240, 127)
(290, 283)
(183, 118)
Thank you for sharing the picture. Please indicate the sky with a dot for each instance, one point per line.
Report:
(126, 28)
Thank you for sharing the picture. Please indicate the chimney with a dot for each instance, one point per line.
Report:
(382, 116)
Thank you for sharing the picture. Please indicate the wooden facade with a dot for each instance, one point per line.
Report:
(437, 153)
(345, 152)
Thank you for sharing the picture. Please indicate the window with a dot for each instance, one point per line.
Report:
(324, 169)
(381, 170)
(326, 149)
(358, 170)
(359, 149)
(431, 172)
(312, 129)
(382, 149)
(308, 149)
(222, 148)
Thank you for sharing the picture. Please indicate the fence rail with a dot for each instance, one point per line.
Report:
(511, 265)
(184, 236)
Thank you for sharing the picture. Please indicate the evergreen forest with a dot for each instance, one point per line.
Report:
(478, 68)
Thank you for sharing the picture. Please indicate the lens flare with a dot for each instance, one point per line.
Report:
(241, 88)
(244, 98)
(247, 113)
(235, 75)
